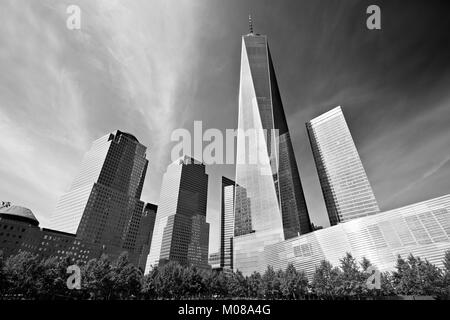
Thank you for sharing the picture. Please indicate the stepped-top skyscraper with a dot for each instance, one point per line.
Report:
(345, 186)
(181, 232)
(103, 205)
(272, 184)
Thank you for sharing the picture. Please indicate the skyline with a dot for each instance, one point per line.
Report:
(103, 78)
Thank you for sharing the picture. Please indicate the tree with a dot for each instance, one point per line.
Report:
(60, 281)
(271, 283)
(149, 288)
(126, 278)
(326, 280)
(365, 264)
(237, 285)
(446, 276)
(97, 279)
(446, 261)
(216, 282)
(50, 283)
(352, 282)
(170, 281)
(3, 282)
(193, 283)
(415, 276)
(387, 284)
(21, 273)
(294, 284)
(255, 286)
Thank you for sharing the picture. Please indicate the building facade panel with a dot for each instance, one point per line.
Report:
(375, 237)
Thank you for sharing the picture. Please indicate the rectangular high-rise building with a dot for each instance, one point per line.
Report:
(103, 205)
(345, 186)
(181, 232)
(270, 187)
(227, 224)
(145, 233)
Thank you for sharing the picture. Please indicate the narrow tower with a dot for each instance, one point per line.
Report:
(272, 183)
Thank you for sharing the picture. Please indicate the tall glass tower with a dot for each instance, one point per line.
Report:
(345, 186)
(181, 232)
(103, 205)
(272, 183)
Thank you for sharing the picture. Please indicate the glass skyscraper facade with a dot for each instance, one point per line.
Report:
(270, 195)
(242, 213)
(103, 205)
(181, 232)
(227, 224)
(345, 186)
(145, 233)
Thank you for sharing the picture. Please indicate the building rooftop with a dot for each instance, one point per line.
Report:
(326, 116)
(19, 214)
(128, 135)
(150, 206)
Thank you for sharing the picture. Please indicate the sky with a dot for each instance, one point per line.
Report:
(151, 67)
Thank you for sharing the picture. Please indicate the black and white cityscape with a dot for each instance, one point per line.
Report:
(224, 150)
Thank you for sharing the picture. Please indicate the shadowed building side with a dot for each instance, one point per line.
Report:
(181, 232)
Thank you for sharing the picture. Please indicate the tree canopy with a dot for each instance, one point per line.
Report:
(26, 276)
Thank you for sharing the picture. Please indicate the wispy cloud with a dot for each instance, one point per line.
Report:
(130, 67)
(419, 181)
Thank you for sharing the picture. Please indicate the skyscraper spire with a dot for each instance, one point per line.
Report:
(270, 192)
(250, 23)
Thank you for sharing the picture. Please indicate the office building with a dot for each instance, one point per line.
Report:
(421, 229)
(145, 233)
(227, 224)
(181, 232)
(103, 205)
(345, 186)
(20, 232)
(271, 184)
